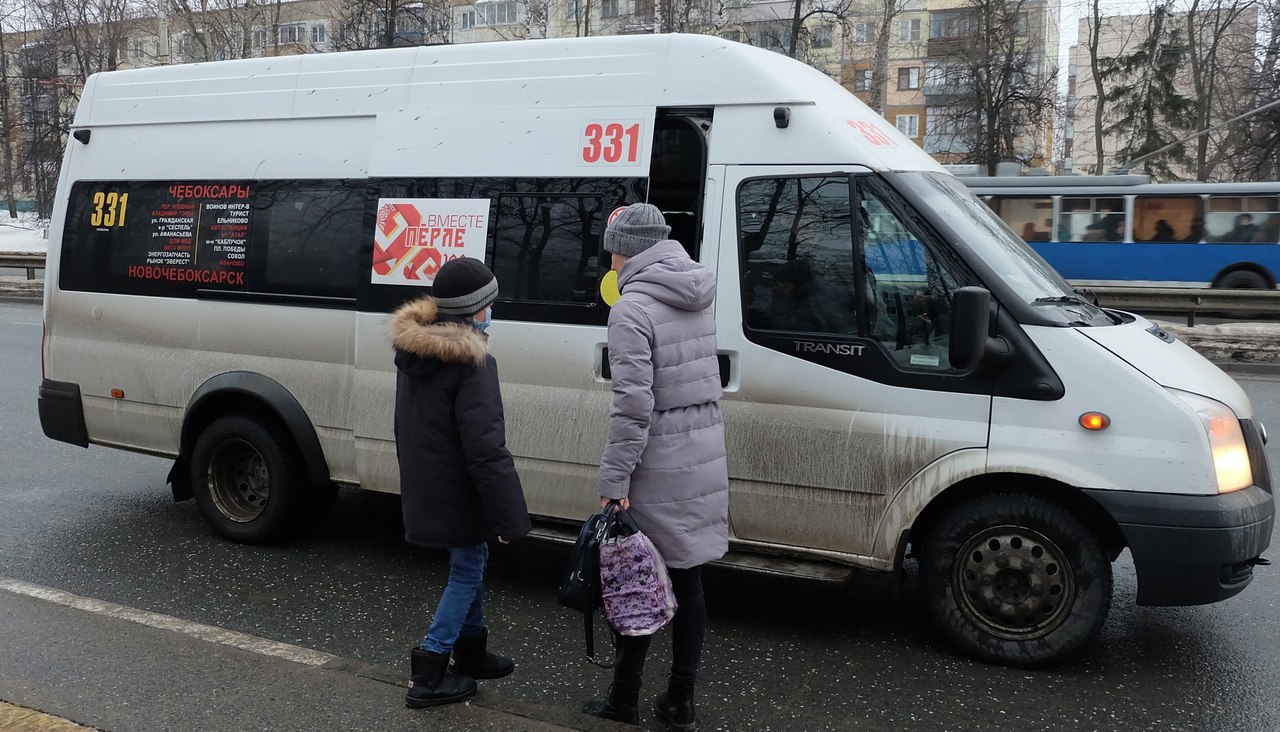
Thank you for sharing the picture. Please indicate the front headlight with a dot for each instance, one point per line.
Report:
(1230, 456)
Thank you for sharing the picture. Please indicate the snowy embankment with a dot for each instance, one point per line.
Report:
(24, 234)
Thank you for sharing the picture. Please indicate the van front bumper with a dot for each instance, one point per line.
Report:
(1192, 550)
(62, 413)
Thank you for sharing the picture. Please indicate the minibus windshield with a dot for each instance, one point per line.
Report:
(1029, 276)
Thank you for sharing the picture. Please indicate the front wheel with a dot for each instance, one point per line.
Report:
(1015, 579)
(248, 481)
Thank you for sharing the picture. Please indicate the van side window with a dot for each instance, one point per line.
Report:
(547, 248)
(164, 239)
(797, 253)
(813, 285)
(312, 235)
(910, 278)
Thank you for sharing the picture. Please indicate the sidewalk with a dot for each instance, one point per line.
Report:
(108, 673)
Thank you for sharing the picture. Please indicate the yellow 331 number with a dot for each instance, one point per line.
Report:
(109, 209)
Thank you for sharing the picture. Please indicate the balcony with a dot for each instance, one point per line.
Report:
(949, 46)
(936, 91)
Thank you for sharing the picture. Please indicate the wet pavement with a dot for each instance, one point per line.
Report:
(781, 654)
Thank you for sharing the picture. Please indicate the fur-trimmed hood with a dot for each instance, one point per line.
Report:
(419, 329)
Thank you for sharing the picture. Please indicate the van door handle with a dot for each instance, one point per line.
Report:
(728, 366)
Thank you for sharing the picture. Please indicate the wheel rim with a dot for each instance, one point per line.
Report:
(1013, 582)
(239, 481)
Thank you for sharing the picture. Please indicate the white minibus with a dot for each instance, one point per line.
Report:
(903, 376)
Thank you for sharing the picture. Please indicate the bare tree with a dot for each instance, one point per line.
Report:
(888, 12)
(999, 87)
(1257, 148)
(1220, 37)
(365, 24)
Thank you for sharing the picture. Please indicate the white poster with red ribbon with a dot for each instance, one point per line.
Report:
(414, 237)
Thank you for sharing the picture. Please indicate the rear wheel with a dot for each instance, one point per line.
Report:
(1015, 579)
(248, 480)
(1243, 279)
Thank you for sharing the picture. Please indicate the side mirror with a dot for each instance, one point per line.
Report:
(970, 322)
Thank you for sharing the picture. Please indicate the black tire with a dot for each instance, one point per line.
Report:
(1021, 555)
(1243, 279)
(248, 480)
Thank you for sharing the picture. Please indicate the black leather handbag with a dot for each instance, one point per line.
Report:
(580, 587)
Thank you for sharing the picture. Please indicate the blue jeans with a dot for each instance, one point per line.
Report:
(461, 608)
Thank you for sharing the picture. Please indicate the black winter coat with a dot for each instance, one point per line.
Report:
(458, 482)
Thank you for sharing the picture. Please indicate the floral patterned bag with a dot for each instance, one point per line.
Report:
(638, 599)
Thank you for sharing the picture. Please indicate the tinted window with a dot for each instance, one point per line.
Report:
(548, 248)
(807, 272)
(157, 238)
(312, 235)
(798, 272)
(173, 239)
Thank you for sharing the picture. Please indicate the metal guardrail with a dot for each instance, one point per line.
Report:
(30, 261)
(1188, 301)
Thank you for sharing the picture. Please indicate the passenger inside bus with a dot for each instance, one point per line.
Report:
(1244, 231)
(1197, 231)
(1109, 228)
(1164, 232)
(1031, 233)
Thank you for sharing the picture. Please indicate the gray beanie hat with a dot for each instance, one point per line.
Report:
(634, 229)
(464, 286)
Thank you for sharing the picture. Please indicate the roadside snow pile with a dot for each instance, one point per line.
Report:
(1232, 342)
(24, 234)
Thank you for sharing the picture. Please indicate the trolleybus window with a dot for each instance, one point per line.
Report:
(1242, 219)
(1167, 219)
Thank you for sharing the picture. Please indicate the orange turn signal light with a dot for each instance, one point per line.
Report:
(1095, 421)
(117, 393)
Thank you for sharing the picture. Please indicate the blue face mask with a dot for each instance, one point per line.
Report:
(483, 325)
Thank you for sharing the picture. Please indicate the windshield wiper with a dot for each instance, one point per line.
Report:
(1061, 299)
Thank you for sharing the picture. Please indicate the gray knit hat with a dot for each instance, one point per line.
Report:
(634, 229)
(464, 286)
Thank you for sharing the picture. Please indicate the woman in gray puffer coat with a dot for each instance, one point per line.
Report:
(665, 456)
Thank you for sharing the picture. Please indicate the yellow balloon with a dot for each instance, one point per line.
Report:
(609, 288)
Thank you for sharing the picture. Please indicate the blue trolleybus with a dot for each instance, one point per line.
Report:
(1126, 230)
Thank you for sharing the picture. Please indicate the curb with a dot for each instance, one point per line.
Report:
(14, 718)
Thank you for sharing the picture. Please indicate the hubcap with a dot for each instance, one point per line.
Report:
(239, 481)
(1013, 582)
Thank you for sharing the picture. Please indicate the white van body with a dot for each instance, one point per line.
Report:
(943, 415)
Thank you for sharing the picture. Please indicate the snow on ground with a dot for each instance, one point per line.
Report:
(24, 234)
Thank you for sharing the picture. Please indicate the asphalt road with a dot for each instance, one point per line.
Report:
(781, 655)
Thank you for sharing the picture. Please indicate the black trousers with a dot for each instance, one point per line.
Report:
(688, 628)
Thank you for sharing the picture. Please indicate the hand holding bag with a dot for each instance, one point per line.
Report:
(635, 587)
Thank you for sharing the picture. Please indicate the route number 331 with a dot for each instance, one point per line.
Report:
(108, 209)
(610, 142)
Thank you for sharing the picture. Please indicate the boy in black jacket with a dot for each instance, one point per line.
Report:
(458, 483)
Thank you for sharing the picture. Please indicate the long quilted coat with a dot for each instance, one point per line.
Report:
(665, 449)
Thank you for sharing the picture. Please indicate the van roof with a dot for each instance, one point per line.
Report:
(487, 91)
(671, 70)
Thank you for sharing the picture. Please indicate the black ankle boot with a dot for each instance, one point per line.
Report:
(471, 658)
(620, 703)
(432, 686)
(675, 706)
